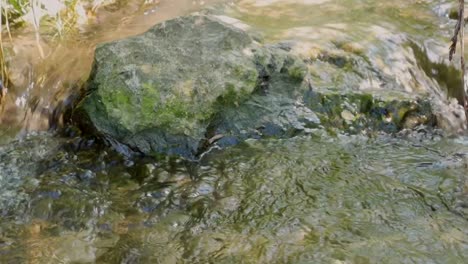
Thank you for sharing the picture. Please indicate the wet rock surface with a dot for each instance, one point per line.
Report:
(158, 92)
(198, 80)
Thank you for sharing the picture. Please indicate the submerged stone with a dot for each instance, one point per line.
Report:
(19, 159)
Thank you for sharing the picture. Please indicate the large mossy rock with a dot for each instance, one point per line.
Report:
(158, 92)
(198, 80)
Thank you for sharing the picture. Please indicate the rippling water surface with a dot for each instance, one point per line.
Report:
(314, 199)
(304, 200)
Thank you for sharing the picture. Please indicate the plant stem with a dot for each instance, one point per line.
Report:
(35, 5)
(459, 33)
(462, 50)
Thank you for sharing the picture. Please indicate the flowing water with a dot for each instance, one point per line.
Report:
(308, 199)
(314, 199)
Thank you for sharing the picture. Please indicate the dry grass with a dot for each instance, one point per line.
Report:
(62, 18)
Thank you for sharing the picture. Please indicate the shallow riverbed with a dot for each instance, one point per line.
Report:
(326, 197)
(314, 199)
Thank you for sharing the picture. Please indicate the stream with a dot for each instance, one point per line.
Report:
(322, 197)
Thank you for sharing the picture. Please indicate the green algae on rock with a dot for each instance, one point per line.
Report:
(158, 91)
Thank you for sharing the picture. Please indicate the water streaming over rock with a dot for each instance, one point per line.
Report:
(331, 196)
